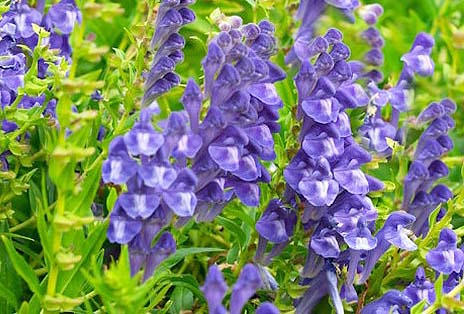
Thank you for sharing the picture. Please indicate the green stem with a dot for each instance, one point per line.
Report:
(24, 224)
(56, 245)
(438, 303)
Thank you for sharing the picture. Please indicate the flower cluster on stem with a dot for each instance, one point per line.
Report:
(16, 30)
(420, 196)
(167, 44)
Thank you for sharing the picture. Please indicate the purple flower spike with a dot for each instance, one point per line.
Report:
(420, 289)
(245, 287)
(236, 134)
(393, 301)
(446, 257)
(427, 167)
(325, 174)
(167, 43)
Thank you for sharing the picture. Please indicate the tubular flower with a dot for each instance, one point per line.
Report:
(393, 301)
(236, 133)
(309, 12)
(276, 225)
(420, 289)
(215, 288)
(156, 188)
(168, 45)
(446, 258)
(420, 196)
(16, 30)
(324, 283)
(417, 61)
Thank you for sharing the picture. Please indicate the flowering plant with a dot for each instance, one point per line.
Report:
(307, 154)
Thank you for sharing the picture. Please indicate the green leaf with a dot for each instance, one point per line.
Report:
(419, 307)
(111, 199)
(72, 281)
(5, 293)
(183, 300)
(241, 214)
(433, 216)
(232, 255)
(189, 282)
(234, 228)
(42, 226)
(438, 285)
(182, 253)
(80, 204)
(22, 267)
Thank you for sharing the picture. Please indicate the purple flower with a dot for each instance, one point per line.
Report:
(249, 280)
(267, 308)
(446, 257)
(122, 228)
(64, 16)
(325, 283)
(24, 16)
(214, 289)
(420, 289)
(119, 167)
(418, 58)
(245, 287)
(375, 132)
(394, 233)
(165, 247)
(393, 301)
(276, 225)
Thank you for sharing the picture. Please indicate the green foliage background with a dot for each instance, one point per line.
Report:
(52, 254)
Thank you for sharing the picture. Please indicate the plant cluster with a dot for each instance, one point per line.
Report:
(298, 166)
